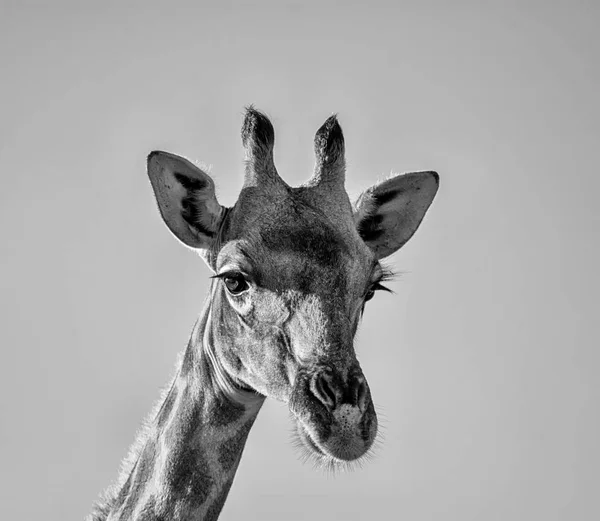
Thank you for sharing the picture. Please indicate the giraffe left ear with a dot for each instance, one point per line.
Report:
(389, 213)
(186, 199)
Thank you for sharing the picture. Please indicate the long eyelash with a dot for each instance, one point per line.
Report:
(387, 273)
(381, 287)
(224, 274)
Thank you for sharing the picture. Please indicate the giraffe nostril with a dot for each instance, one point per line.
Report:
(323, 390)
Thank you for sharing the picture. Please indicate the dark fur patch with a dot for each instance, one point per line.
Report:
(189, 477)
(320, 246)
(191, 184)
(385, 197)
(225, 412)
(231, 451)
(187, 473)
(191, 211)
(369, 228)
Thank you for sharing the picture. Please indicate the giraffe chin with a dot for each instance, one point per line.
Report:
(344, 444)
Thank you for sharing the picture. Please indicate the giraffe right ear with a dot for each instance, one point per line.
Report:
(389, 213)
(186, 199)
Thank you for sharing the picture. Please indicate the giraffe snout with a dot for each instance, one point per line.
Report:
(335, 413)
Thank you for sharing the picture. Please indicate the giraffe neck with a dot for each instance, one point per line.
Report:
(191, 453)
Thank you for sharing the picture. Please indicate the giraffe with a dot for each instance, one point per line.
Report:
(292, 270)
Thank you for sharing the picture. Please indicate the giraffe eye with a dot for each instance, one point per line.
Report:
(235, 283)
(375, 287)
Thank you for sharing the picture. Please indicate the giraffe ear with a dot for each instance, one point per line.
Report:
(186, 199)
(389, 213)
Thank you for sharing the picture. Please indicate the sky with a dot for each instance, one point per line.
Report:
(483, 364)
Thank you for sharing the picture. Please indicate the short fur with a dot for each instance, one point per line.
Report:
(294, 267)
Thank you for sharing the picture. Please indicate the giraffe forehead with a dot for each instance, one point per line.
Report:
(295, 211)
(295, 241)
(316, 242)
(299, 257)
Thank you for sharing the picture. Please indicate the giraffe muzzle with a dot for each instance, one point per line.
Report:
(335, 414)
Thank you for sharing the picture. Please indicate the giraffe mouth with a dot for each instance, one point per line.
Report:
(309, 450)
(342, 446)
(336, 423)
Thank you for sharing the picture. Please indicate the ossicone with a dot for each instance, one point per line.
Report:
(330, 167)
(258, 139)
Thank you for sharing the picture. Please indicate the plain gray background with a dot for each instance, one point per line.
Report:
(484, 364)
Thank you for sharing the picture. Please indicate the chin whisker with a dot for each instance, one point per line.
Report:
(326, 464)
(382, 420)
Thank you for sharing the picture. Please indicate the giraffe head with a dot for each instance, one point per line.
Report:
(293, 269)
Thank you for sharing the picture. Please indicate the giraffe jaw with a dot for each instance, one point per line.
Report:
(341, 448)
